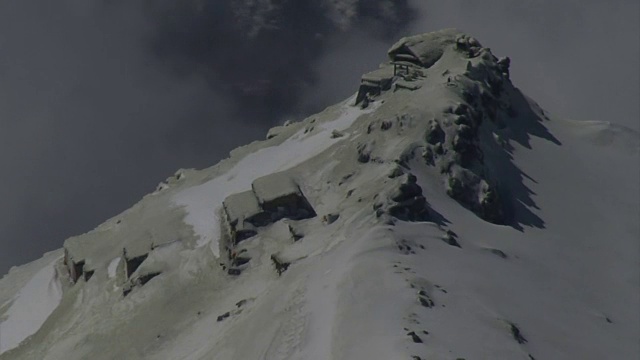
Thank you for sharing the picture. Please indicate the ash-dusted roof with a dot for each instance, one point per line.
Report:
(424, 49)
(380, 76)
(274, 186)
(242, 205)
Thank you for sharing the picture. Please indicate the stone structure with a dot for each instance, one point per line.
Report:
(271, 198)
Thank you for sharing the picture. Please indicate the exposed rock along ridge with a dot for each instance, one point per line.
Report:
(206, 255)
(475, 90)
(470, 88)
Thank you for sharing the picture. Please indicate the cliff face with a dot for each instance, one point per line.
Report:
(437, 214)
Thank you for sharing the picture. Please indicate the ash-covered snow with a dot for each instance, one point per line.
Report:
(522, 244)
(203, 202)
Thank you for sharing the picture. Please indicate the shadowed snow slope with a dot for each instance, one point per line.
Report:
(455, 219)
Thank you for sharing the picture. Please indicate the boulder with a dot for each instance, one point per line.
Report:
(408, 202)
(435, 134)
(364, 152)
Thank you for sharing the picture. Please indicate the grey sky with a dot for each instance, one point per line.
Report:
(579, 59)
(99, 101)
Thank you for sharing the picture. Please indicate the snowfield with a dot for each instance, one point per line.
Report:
(455, 220)
(203, 202)
(30, 307)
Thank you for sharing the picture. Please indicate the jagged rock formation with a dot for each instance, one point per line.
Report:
(480, 93)
(401, 223)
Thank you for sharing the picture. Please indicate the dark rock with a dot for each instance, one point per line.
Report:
(461, 120)
(461, 109)
(415, 337)
(435, 134)
(406, 191)
(465, 131)
(464, 187)
(143, 279)
(234, 271)
(490, 205)
(240, 260)
(132, 264)
(439, 149)
(517, 334)
(386, 125)
(413, 209)
(330, 218)
(336, 134)
(88, 274)
(280, 265)
(498, 253)
(296, 236)
(429, 157)
(451, 240)
(407, 155)
(463, 145)
(396, 172)
(503, 64)
(426, 301)
(364, 153)
(224, 316)
(345, 178)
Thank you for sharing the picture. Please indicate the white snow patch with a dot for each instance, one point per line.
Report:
(31, 307)
(113, 266)
(203, 202)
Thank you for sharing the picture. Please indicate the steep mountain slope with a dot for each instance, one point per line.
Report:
(436, 214)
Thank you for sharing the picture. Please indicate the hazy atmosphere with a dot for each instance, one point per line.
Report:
(102, 100)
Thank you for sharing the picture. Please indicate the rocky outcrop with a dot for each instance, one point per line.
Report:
(405, 201)
(453, 141)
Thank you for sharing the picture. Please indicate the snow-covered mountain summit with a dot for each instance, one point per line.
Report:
(437, 214)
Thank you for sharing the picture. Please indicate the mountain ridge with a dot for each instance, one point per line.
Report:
(420, 182)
